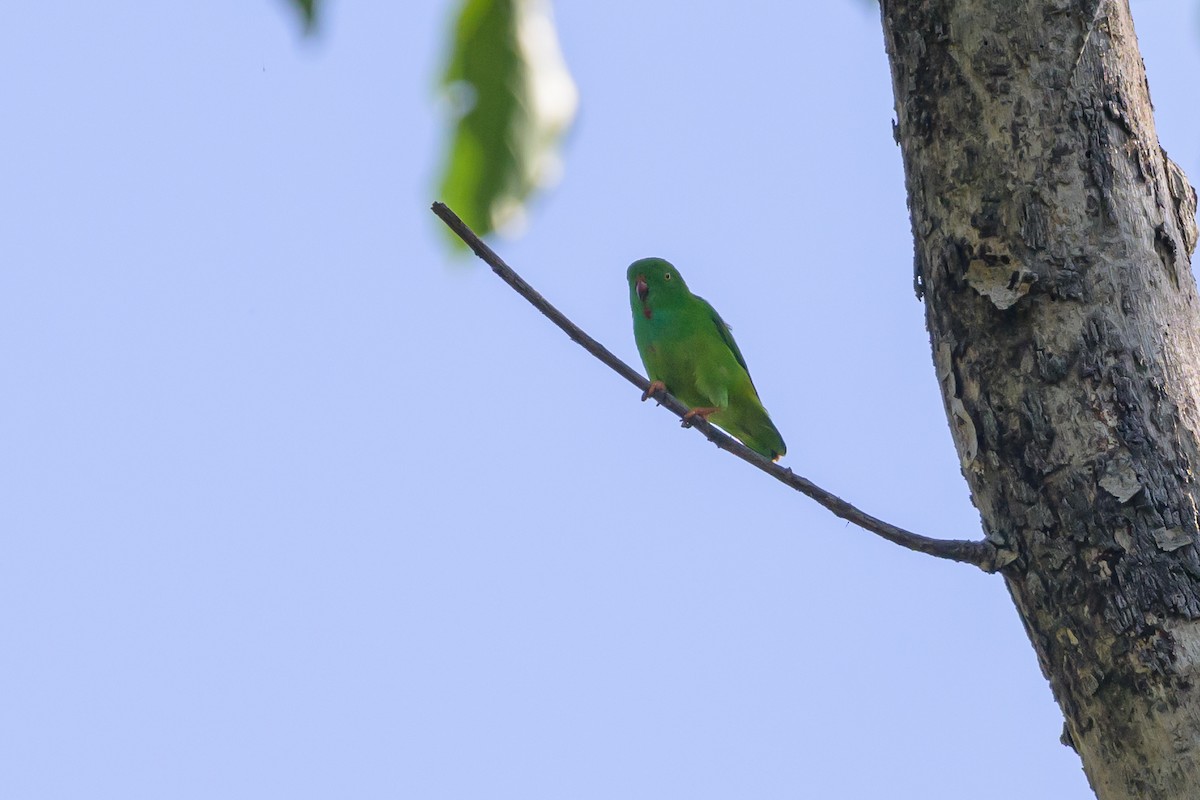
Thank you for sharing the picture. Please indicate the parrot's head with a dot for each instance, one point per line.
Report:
(654, 283)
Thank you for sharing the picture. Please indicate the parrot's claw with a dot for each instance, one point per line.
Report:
(702, 413)
(655, 386)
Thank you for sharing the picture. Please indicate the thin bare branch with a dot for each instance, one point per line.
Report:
(982, 554)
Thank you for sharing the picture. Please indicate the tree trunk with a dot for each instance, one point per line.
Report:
(1053, 240)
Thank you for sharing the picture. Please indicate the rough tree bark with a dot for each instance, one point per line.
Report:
(1053, 240)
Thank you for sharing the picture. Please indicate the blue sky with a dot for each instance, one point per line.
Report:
(296, 504)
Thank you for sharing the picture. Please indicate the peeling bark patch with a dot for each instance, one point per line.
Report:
(1183, 197)
(1120, 480)
(964, 432)
(1124, 539)
(1114, 108)
(1000, 283)
(1169, 539)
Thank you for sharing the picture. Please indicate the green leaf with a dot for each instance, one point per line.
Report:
(512, 99)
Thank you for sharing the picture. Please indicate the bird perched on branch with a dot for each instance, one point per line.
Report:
(689, 351)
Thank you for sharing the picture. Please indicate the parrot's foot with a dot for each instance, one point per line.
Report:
(655, 386)
(702, 412)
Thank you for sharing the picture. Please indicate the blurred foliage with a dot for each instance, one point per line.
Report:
(308, 12)
(511, 100)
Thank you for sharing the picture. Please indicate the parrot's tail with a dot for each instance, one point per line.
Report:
(757, 432)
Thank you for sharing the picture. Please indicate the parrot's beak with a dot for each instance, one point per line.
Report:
(642, 288)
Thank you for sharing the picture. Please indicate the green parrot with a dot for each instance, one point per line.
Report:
(689, 351)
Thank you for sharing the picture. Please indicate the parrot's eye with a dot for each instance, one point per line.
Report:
(666, 276)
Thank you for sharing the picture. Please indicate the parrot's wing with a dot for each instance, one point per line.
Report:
(726, 334)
